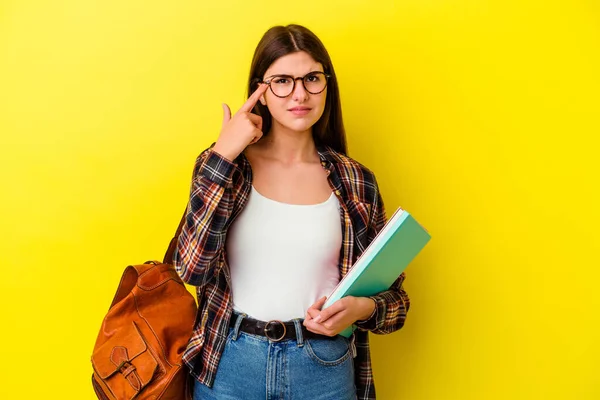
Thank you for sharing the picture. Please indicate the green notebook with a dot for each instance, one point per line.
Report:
(382, 262)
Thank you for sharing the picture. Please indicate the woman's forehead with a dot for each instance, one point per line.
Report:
(294, 64)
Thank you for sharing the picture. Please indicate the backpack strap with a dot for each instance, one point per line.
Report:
(168, 259)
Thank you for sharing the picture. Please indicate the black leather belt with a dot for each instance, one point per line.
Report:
(274, 330)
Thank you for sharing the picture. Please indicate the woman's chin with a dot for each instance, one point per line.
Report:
(299, 125)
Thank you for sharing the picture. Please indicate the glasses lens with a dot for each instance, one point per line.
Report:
(315, 82)
(282, 85)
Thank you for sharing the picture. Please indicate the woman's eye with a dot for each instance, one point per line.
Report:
(312, 78)
(281, 81)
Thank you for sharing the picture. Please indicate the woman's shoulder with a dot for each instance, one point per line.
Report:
(346, 165)
(357, 180)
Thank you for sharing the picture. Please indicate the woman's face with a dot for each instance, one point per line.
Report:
(300, 110)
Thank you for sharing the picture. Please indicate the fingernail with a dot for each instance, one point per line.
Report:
(317, 319)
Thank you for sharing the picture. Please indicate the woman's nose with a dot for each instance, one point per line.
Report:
(299, 94)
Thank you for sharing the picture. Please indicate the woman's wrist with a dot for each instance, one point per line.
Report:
(228, 155)
(366, 306)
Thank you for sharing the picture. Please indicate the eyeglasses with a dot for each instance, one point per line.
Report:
(282, 86)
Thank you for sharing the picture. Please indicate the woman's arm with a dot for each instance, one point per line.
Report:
(387, 309)
(212, 195)
(202, 236)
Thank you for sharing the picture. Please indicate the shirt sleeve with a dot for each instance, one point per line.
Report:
(210, 206)
(391, 306)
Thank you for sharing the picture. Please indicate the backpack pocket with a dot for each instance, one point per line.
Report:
(124, 363)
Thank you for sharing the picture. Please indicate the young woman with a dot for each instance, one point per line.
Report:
(278, 214)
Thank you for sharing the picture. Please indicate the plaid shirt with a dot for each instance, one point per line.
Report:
(219, 192)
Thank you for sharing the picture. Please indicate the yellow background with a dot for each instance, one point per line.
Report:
(479, 117)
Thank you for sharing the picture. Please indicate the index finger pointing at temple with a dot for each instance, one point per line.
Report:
(251, 102)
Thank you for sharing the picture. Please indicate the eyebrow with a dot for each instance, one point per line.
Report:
(292, 76)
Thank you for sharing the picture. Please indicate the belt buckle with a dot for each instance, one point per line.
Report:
(275, 322)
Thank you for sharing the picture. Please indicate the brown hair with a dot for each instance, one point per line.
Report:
(280, 41)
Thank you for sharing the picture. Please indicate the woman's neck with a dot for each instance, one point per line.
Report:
(289, 146)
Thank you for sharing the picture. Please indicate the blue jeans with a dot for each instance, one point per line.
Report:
(252, 367)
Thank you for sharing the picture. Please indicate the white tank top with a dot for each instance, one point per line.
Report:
(283, 257)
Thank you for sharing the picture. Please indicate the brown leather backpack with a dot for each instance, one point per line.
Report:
(144, 334)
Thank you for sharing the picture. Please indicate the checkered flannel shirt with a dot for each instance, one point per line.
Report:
(219, 191)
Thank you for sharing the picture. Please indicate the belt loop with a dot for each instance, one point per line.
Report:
(299, 335)
(238, 322)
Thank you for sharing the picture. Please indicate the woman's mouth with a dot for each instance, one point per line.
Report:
(299, 110)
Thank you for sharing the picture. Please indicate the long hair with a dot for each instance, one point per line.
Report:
(279, 41)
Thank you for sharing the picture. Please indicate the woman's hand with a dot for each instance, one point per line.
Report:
(241, 130)
(339, 316)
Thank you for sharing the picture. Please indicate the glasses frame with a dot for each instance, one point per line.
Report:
(269, 79)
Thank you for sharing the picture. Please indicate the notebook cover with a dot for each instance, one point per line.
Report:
(388, 255)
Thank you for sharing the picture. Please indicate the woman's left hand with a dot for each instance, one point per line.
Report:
(339, 316)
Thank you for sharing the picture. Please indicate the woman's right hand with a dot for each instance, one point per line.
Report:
(241, 130)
